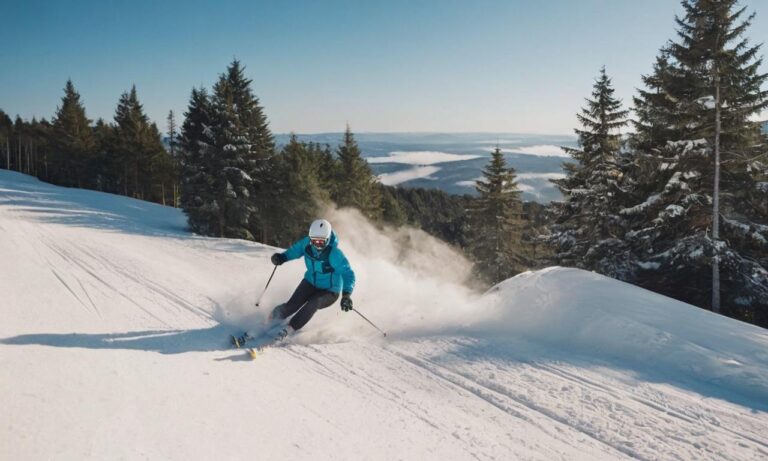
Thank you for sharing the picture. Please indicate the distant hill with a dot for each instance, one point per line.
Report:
(452, 161)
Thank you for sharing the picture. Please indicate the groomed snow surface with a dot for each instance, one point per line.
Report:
(113, 345)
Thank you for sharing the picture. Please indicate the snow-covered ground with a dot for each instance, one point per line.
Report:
(113, 345)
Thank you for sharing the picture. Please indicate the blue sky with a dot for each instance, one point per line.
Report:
(441, 66)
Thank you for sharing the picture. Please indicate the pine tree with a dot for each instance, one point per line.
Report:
(128, 122)
(243, 148)
(697, 105)
(495, 221)
(73, 140)
(195, 162)
(588, 233)
(237, 153)
(356, 185)
(138, 150)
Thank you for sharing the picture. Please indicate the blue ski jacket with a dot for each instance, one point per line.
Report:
(328, 269)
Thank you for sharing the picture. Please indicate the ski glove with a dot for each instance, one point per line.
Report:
(346, 302)
(278, 258)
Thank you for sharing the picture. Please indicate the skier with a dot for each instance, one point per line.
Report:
(328, 274)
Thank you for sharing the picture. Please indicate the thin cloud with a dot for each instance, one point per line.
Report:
(393, 179)
(421, 157)
(542, 150)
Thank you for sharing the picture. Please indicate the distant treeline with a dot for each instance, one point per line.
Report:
(221, 165)
(680, 206)
(125, 157)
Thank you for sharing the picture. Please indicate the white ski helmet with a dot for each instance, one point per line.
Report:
(320, 233)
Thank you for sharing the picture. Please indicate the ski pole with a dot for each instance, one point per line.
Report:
(372, 324)
(258, 301)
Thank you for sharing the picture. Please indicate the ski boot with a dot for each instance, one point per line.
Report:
(239, 341)
(282, 334)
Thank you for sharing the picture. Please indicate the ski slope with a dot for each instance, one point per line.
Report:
(113, 345)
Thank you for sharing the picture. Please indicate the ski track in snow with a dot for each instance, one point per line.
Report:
(112, 347)
(694, 430)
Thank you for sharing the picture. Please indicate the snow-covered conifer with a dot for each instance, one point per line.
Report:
(706, 79)
(495, 221)
(196, 146)
(241, 157)
(141, 163)
(355, 184)
(73, 141)
(588, 232)
(227, 160)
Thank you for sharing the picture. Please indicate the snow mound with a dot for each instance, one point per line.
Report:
(579, 311)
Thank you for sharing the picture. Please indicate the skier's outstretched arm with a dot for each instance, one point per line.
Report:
(295, 251)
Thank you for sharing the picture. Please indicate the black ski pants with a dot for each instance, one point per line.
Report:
(304, 302)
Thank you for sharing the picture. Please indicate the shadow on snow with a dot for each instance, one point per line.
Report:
(215, 338)
(469, 350)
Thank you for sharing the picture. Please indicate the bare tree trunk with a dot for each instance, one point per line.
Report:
(162, 191)
(716, 203)
(8, 153)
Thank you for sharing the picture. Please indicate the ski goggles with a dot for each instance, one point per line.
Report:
(318, 242)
